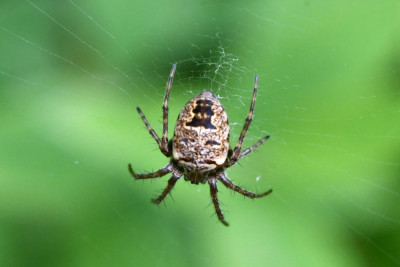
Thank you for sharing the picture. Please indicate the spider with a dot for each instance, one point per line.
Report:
(200, 149)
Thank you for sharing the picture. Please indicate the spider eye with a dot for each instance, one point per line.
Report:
(212, 142)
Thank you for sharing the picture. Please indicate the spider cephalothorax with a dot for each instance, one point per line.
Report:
(200, 149)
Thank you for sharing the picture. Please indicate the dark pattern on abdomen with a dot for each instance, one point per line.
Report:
(202, 115)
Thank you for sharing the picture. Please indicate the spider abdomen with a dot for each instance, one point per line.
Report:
(201, 138)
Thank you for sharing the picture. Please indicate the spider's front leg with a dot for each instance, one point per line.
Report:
(237, 153)
(163, 142)
(236, 150)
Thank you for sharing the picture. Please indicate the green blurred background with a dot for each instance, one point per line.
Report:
(73, 72)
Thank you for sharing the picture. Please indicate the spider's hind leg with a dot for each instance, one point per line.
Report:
(212, 181)
(161, 172)
(171, 183)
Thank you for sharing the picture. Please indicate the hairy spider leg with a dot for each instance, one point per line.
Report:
(160, 173)
(236, 153)
(228, 183)
(236, 150)
(252, 148)
(164, 141)
(212, 181)
(151, 131)
(171, 183)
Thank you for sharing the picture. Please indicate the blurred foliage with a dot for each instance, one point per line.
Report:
(72, 73)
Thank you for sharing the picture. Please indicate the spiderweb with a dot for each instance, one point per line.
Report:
(71, 79)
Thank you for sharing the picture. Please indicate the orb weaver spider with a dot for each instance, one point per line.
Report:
(200, 150)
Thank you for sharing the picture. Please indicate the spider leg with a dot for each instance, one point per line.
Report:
(228, 183)
(253, 147)
(164, 140)
(151, 131)
(245, 152)
(212, 181)
(167, 190)
(236, 150)
(161, 172)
